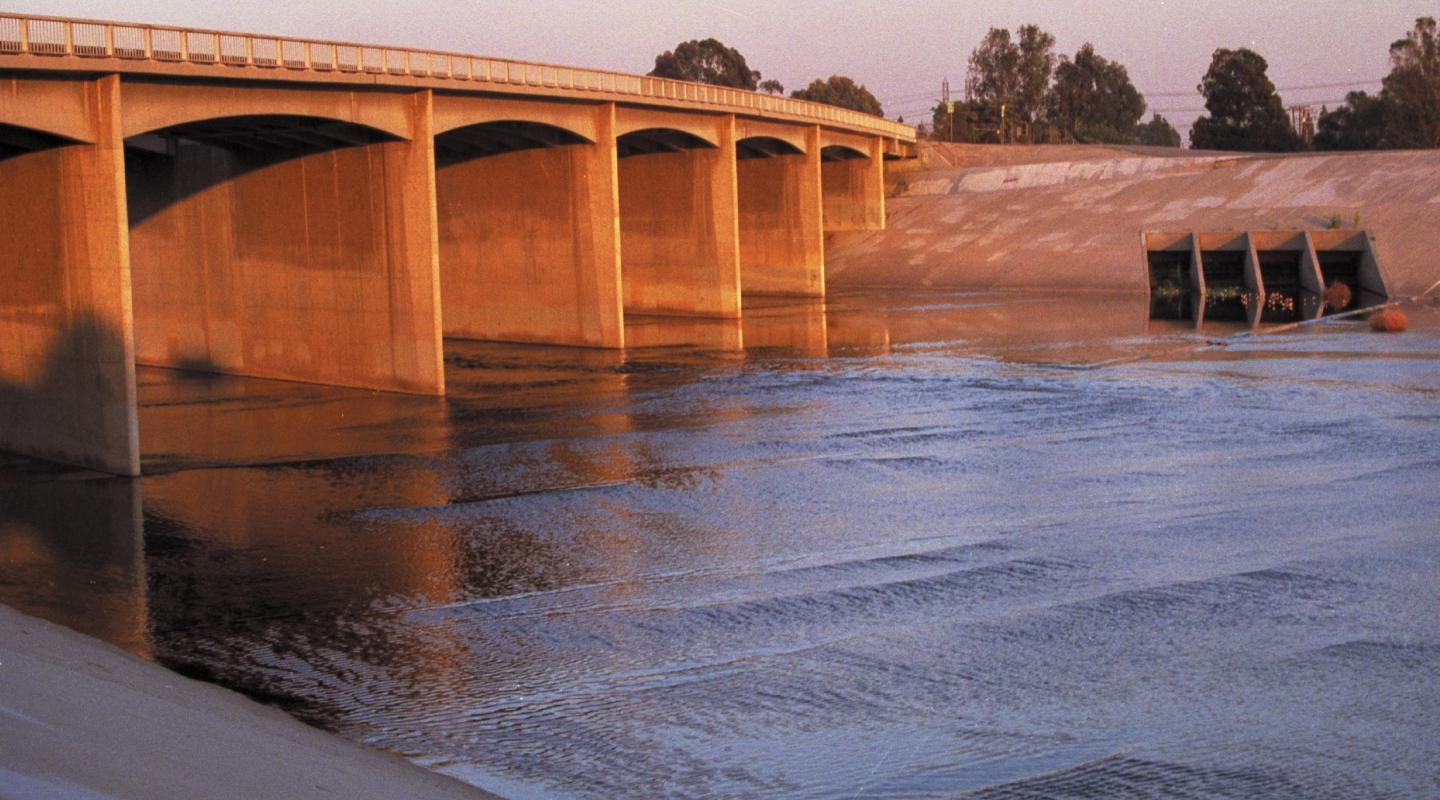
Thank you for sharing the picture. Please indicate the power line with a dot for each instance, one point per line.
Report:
(1202, 109)
(1192, 93)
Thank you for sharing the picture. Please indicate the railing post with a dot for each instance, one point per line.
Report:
(146, 40)
(249, 51)
(184, 46)
(110, 40)
(308, 61)
(24, 35)
(69, 30)
(219, 59)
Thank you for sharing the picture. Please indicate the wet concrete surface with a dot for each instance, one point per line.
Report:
(895, 546)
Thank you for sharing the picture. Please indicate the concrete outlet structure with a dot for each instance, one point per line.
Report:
(1255, 276)
(328, 212)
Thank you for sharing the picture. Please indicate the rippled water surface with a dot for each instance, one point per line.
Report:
(896, 547)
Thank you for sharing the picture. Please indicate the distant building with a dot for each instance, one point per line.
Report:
(1302, 119)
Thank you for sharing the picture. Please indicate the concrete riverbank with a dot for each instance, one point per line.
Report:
(1069, 218)
(83, 720)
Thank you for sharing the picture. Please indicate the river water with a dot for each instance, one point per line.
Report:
(899, 546)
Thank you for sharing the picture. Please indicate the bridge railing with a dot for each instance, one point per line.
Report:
(52, 36)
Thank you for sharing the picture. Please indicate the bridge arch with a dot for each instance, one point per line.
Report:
(765, 147)
(855, 143)
(629, 121)
(840, 152)
(454, 112)
(17, 140)
(796, 136)
(151, 107)
(648, 141)
(498, 137)
(275, 135)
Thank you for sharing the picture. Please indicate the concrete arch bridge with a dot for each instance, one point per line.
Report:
(328, 212)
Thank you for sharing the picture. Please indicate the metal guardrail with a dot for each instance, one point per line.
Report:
(53, 36)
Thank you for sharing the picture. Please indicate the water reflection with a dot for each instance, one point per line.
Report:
(694, 571)
(71, 552)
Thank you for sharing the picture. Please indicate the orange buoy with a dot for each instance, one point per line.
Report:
(1389, 321)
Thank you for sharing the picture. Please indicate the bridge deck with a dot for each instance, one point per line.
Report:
(30, 42)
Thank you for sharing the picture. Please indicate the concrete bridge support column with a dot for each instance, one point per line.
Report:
(679, 230)
(782, 235)
(309, 264)
(855, 191)
(530, 244)
(67, 374)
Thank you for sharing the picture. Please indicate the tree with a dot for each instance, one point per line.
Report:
(1094, 100)
(841, 91)
(1245, 111)
(1357, 125)
(975, 121)
(1158, 132)
(1014, 73)
(1037, 63)
(1411, 93)
(706, 61)
(772, 86)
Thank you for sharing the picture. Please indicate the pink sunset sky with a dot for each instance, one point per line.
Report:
(900, 50)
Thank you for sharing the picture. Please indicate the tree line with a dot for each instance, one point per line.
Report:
(711, 61)
(1018, 90)
(1406, 112)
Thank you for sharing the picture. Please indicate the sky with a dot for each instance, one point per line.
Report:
(900, 49)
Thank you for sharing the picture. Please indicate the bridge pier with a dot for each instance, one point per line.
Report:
(67, 371)
(678, 218)
(782, 236)
(281, 245)
(528, 208)
(854, 184)
(271, 207)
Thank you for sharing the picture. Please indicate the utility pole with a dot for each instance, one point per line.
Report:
(949, 110)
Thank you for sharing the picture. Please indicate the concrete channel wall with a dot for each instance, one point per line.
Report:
(1075, 225)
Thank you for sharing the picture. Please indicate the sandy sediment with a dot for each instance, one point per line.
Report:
(1006, 218)
(82, 719)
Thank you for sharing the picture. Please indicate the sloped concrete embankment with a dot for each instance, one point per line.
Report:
(1075, 225)
(82, 719)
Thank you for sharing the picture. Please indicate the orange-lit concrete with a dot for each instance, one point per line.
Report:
(529, 240)
(782, 236)
(854, 187)
(318, 267)
(281, 213)
(67, 375)
(679, 227)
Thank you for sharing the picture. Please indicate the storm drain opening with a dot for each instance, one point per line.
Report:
(1340, 271)
(1284, 287)
(1226, 296)
(1271, 276)
(1170, 284)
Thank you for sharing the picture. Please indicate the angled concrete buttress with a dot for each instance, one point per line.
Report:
(679, 229)
(529, 221)
(782, 234)
(853, 175)
(285, 233)
(67, 345)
